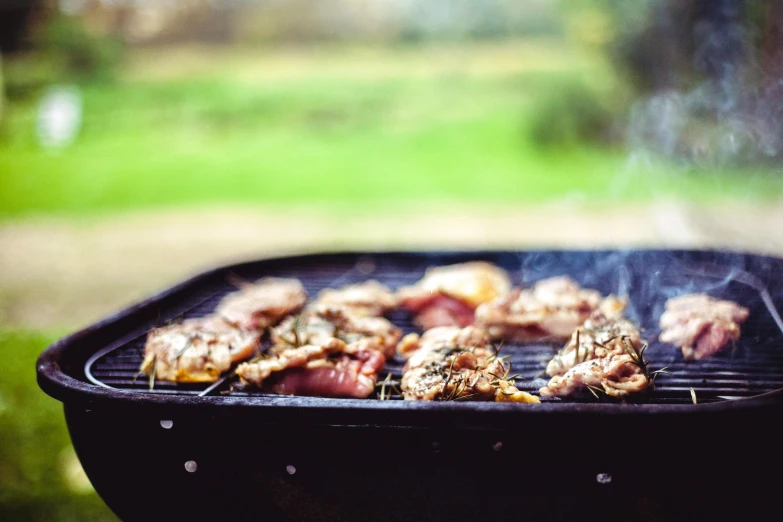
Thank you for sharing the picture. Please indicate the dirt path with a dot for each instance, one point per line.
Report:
(57, 272)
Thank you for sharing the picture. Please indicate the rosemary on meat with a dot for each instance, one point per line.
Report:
(495, 351)
(387, 386)
(462, 385)
(385, 383)
(637, 358)
(144, 368)
(595, 390)
(448, 377)
(576, 349)
(188, 344)
(152, 373)
(299, 338)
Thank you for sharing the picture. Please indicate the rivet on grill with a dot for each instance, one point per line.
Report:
(497, 446)
(603, 478)
(191, 466)
(290, 469)
(166, 424)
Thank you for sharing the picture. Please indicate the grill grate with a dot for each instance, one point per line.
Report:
(752, 367)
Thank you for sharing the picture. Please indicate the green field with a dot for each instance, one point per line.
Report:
(38, 478)
(333, 137)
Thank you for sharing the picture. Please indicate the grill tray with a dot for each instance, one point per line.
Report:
(249, 445)
(754, 366)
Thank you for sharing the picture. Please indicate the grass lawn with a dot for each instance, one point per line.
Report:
(328, 135)
(38, 476)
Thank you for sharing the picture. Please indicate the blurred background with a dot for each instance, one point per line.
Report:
(142, 141)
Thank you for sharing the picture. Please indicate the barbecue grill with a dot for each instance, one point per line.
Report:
(199, 451)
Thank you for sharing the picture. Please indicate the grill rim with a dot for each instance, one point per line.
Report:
(72, 391)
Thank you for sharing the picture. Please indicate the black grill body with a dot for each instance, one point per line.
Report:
(306, 458)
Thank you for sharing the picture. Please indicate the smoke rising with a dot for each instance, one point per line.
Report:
(728, 111)
(650, 278)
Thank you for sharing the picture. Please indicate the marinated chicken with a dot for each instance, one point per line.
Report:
(551, 309)
(449, 295)
(701, 325)
(319, 323)
(262, 304)
(328, 369)
(333, 348)
(616, 375)
(450, 363)
(370, 298)
(599, 337)
(196, 350)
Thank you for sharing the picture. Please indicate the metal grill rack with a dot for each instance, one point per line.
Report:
(752, 367)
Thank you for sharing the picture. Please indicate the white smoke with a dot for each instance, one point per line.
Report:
(733, 115)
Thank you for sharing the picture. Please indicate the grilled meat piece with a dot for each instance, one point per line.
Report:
(550, 309)
(304, 328)
(441, 310)
(369, 298)
(414, 346)
(449, 295)
(617, 375)
(598, 355)
(599, 337)
(197, 350)
(329, 369)
(320, 322)
(263, 303)
(450, 363)
(701, 325)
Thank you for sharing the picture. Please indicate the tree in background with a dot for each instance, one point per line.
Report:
(705, 76)
(52, 47)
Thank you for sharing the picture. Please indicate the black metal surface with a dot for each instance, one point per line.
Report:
(700, 467)
(392, 460)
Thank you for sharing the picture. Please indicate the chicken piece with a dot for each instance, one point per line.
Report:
(600, 336)
(321, 322)
(701, 325)
(263, 303)
(329, 369)
(350, 326)
(550, 309)
(196, 350)
(304, 328)
(449, 295)
(369, 298)
(450, 363)
(437, 338)
(617, 375)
